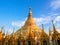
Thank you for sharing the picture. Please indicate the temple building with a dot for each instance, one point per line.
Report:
(31, 34)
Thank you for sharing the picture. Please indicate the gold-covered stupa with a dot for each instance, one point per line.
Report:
(29, 26)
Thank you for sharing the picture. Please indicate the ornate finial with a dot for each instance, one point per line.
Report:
(30, 13)
(13, 31)
(1, 29)
(49, 28)
(52, 22)
(7, 33)
(54, 28)
(49, 31)
(30, 10)
(42, 27)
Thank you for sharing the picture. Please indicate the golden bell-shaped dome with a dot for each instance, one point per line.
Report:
(29, 25)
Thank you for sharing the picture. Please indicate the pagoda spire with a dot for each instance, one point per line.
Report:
(7, 35)
(50, 31)
(43, 27)
(13, 31)
(2, 29)
(30, 13)
(30, 10)
(54, 28)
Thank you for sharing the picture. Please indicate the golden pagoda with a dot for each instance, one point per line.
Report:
(30, 25)
(29, 33)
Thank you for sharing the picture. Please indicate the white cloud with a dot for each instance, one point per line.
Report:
(18, 23)
(57, 18)
(42, 20)
(55, 4)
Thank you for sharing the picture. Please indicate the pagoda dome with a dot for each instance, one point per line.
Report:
(29, 25)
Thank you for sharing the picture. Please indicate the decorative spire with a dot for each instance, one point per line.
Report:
(49, 31)
(30, 13)
(7, 33)
(42, 27)
(13, 31)
(54, 28)
(2, 29)
(30, 10)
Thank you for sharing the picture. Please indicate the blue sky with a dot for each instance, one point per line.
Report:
(13, 13)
